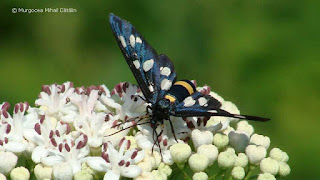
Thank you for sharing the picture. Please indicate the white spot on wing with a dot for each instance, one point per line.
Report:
(165, 71)
(148, 65)
(203, 101)
(166, 84)
(136, 64)
(189, 101)
(138, 40)
(212, 111)
(239, 116)
(151, 88)
(123, 42)
(132, 40)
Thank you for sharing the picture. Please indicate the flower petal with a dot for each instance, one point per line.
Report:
(98, 163)
(131, 171)
(110, 175)
(38, 153)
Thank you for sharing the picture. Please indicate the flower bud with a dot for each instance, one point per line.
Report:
(198, 162)
(238, 173)
(226, 159)
(201, 137)
(165, 169)
(241, 160)
(8, 161)
(82, 175)
(42, 172)
(220, 140)
(279, 155)
(159, 175)
(269, 165)
(20, 173)
(260, 140)
(266, 176)
(245, 127)
(256, 153)
(62, 171)
(145, 176)
(200, 176)
(180, 152)
(210, 151)
(284, 169)
(2, 177)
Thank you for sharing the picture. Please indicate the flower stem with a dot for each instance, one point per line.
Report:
(251, 169)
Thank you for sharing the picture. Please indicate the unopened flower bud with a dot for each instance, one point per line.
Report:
(269, 165)
(201, 137)
(180, 152)
(266, 176)
(42, 172)
(82, 175)
(260, 140)
(284, 169)
(245, 127)
(238, 173)
(226, 159)
(198, 162)
(200, 176)
(220, 140)
(8, 161)
(256, 153)
(279, 155)
(210, 151)
(20, 173)
(241, 160)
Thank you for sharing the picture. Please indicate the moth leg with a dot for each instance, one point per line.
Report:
(172, 130)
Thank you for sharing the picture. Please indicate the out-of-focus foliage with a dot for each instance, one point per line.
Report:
(262, 55)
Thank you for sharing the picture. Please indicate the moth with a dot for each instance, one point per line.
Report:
(157, 80)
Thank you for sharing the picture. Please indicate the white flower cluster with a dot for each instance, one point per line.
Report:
(92, 133)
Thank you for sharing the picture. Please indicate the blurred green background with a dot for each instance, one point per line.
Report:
(261, 55)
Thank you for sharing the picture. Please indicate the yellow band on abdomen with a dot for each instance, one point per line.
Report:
(185, 85)
(171, 98)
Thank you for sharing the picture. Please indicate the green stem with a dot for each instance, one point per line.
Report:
(215, 175)
(251, 169)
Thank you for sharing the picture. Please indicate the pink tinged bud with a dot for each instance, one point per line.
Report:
(113, 92)
(37, 128)
(60, 147)
(71, 84)
(127, 163)
(114, 124)
(62, 88)
(68, 129)
(27, 105)
(67, 147)
(5, 106)
(21, 107)
(8, 129)
(105, 156)
(1, 142)
(165, 142)
(16, 108)
(5, 114)
(105, 146)
(121, 163)
(42, 117)
(129, 144)
(85, 138)
(121, 142)
(57, 133)
(51, 134)
(80, 145)
(134, 154)
(53, 142)
(6, 140)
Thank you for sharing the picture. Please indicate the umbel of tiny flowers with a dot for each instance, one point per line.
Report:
(96, 133)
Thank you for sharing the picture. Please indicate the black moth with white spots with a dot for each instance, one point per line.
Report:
(157, 79)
